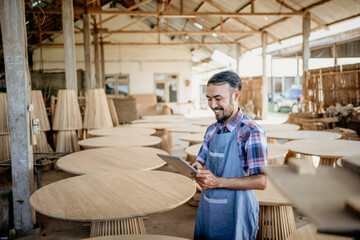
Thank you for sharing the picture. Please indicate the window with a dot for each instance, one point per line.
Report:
(166, 87)
(117, 84)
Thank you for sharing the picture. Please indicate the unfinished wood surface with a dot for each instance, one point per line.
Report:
(121, 131)
(271, 196)
(117, 227)
(158, 126)
(199, 119)
(353, 204)
(39, 110)
(97, 113)
(137, 237)
(126, 141)
(160, 117)
(4, 122)
(5, 154)
(193, 129)
(302, 167)
(111, 159)
(302, 134)
(164, 119)
(327, 148)
(67, 141)
(351, 163)
(42, 145)
(111, 196)
(67, 112)
(279, 127)
(193, 139)
(320, 197)
(204, 123)
(113, 113)
(309, 232)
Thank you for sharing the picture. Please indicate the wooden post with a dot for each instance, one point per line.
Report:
(238, 55)
(69, 44)
(102, 54)
(97, 57)
(18, 86)
(306, 50)
(265, 82)
(335, 53)
(87, 45)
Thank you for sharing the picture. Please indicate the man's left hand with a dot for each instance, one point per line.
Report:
(206, 179)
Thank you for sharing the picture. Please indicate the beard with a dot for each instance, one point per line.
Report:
(226, 113)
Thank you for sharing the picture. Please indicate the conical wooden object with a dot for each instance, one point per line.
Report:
(39, 110)
(4, 148)
(113, 113)
(97, 113)
(67, 112)
(42, 145)
(67, 141)
(4, 122)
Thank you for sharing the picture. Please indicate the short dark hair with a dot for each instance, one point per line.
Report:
(226, 77)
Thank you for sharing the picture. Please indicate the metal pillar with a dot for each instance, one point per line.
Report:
(264, 78)
(18, 85)
(69, 44)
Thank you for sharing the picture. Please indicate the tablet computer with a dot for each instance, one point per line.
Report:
(179, 164)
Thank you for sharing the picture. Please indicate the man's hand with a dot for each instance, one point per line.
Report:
(197, 165)
(206, 179)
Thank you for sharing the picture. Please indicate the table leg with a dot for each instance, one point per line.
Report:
(118, 227)
(328, 161)
(276, 222)
(290, 154)
(274, 161)
(164, 145)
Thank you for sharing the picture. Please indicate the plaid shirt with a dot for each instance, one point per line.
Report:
(251, 141)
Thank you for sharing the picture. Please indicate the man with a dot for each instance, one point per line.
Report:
(233, 150)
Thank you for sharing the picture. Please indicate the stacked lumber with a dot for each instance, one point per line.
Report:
(126, 109)
(252, 91)
(40, 113)
(66, 121)
(4, 129)
(97, 113)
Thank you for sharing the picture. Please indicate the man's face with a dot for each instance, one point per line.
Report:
(221, 100)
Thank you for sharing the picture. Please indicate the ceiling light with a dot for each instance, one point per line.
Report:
(214, 34)
(198, 25)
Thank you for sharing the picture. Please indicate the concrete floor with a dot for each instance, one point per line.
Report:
(178, 222)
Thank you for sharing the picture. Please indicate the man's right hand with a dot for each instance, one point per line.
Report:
(197, 165)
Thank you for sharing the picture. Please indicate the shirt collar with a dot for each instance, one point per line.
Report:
(231, 126)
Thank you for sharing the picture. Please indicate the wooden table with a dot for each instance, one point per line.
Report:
(352, 159)
(302, 134)
(328, 150)
(159, 120)
(137, 237)
(308, 232)
(204, 123)
(111, 159)
(193, 139)
(276, 220)
(162, 132)
(160, 117)
(113, 201)
(126, 141)
(280, 127)
(121, 131)
(275, 151)
(194, 129)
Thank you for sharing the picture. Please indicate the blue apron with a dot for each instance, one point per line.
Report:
(226, 213)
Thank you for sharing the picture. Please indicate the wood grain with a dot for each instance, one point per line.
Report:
(111, 196)
(193, 129)
(121, 131)
(4, 124)
(279, 127)
(39, 110)
(194, 138)
(137, 237)
(42, 145)
(5, 153)
(158, 126)
(97, 113)
(67, 112)
(111, 159)
(66, 141)
(302, 134)
(308, 232)
(113, 113)
(271, 196)
(126, 141)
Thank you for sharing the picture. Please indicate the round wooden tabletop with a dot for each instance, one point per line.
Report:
(199, 119)
(160, 120)
(158, 126)
(302, 134)
(274, 150)
(194, 138)
(352, 159)
(204, 123)
(324, 147)
(194, 129)
(121, 131)
(280, 127)
(136, 237)
(309, 232)
(113, 195)
(271, 196)
(125, 141)
(160, 117)
(111, 159)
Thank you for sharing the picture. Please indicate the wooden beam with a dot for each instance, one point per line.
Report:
(137, 5)
(306, 50)
(264, 109)
(210, 32)
(18, 87)
(126, 26)
(308, 8)
(252, 6)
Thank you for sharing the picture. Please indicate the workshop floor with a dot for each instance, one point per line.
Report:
(178, 222)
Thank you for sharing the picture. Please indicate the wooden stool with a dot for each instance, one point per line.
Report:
(118, 227)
